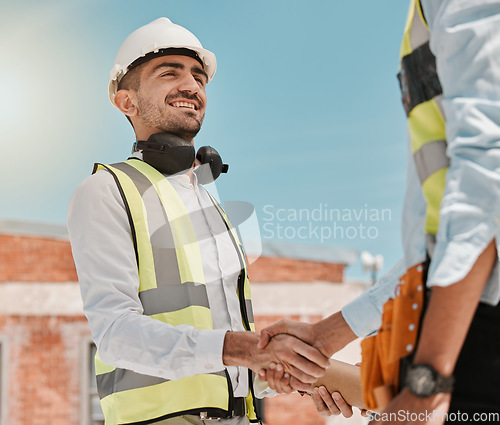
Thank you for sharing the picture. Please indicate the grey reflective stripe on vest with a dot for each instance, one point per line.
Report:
(162, 242)
(419, 34)
(123, 379)
(249, 307)
(430, 243)
(173, 297)
(431, 157)
(439, 102)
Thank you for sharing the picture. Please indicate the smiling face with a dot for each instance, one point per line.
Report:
(170, 97)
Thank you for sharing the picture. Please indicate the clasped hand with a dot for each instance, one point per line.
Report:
(280, 376)
(283, 379)
(302, 363)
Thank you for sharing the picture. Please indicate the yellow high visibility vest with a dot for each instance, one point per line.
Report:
(422, 97)
(171, 289)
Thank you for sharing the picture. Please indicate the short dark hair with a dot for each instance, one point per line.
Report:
(131, 81)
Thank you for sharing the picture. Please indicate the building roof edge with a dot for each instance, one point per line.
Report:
(320, 253)
(33, 229)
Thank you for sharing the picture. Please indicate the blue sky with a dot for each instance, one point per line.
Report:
(305, 108)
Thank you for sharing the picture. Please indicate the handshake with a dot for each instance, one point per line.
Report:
(293, 356)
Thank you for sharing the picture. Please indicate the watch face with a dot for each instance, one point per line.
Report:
(421, 381)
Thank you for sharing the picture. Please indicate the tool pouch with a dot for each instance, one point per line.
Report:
(396, 338)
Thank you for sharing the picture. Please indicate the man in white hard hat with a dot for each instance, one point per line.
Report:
(163, 276)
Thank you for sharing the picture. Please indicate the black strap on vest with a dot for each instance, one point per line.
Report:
(418, 78)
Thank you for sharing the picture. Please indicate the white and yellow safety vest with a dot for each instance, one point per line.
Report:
(422, 100)
(171, 289)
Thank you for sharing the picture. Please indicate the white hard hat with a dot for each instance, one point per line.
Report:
(152, 38)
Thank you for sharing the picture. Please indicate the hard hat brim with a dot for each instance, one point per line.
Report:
(205, 57)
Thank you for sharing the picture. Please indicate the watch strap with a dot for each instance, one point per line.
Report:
(444, 384)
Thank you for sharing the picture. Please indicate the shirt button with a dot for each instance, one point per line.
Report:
(414, 306)
(160, 372)
(419, 268)
(411, 327)
(209, 366)
(419, 287)
(409, 347)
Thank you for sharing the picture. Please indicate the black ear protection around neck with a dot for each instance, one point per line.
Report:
(171, 154)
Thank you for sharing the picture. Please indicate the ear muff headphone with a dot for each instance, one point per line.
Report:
(171, 154)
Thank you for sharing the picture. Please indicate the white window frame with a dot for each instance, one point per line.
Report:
(85, 382)
(4, 380)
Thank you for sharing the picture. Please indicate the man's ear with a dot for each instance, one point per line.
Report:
(126, 101)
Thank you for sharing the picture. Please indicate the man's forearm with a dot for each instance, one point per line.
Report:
(239, 348)
(333, 334)
(449, 315)
(328, 335)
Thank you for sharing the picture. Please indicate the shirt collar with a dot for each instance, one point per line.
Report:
(180, 178)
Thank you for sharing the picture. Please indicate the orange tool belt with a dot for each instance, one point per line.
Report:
(396, 338)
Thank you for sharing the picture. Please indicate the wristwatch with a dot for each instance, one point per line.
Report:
(423, 381)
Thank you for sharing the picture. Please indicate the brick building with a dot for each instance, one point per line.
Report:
(46, 352)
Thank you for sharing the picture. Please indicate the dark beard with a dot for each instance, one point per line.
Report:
(180, 129)
(155, 118)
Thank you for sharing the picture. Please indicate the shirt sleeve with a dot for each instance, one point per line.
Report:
(364, 314)
(104, 256)
(465, 38)
(261, 388)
